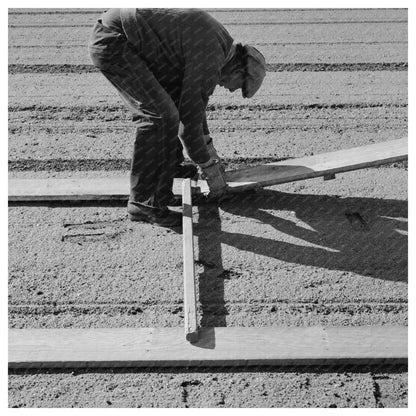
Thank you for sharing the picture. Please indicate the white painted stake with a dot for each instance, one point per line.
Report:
(191, 326)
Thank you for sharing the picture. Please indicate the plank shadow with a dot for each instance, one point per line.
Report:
(367, 236)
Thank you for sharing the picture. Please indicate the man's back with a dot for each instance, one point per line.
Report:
(169, 39)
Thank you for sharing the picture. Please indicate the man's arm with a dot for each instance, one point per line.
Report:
(205, 128)
(203, 57)
(192, 107)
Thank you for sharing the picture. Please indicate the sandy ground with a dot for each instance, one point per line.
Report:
(307, 253)
(227, 388)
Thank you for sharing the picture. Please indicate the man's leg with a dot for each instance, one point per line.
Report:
(156, 117)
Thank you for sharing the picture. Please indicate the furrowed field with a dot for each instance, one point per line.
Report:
(306, 253)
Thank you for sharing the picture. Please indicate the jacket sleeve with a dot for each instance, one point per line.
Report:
(205, 128)
(203, 60)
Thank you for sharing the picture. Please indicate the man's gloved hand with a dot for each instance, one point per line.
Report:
(211, 172)
(213, 152)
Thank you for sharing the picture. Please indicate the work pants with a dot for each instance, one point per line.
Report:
(157, 149)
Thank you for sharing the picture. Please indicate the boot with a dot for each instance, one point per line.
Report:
(163, 217)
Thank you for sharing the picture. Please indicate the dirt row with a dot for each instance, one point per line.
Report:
(276, 16)
(59, 138)
(283, 52)
(286, 67)
(348, 32)
(279, 88)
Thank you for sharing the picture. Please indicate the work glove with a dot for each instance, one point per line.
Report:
(213, 152)
(211, 172)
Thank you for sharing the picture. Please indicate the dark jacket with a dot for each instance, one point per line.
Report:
(184, 49)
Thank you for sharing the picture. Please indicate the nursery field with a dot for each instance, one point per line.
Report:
(301, 254)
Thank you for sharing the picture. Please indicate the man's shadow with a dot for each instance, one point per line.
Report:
(366, 236)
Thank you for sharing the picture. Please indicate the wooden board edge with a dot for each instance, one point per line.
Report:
(67, 198)
(235, 362)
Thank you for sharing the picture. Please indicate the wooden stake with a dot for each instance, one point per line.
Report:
(191, 326)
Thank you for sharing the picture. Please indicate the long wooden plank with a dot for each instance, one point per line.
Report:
(74, 189)
(127, 347)
(191, 325)
(326, 164)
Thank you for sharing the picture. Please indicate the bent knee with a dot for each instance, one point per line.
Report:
(170, 119)
(165, 117)
(166, 121)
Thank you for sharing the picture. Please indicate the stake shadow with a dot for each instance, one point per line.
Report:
(209, 258)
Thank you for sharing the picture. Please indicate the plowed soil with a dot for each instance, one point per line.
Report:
(301, 254)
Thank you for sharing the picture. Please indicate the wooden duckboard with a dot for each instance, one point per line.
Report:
(143, 347)
(117, 188)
